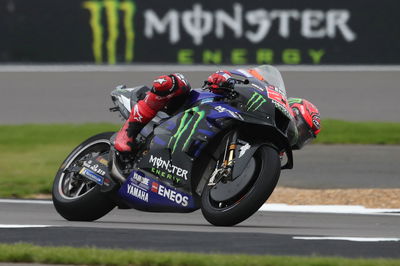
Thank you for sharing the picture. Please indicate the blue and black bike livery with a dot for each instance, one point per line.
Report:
(219, 152)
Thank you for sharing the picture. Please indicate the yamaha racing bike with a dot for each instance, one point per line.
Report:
(221, 153)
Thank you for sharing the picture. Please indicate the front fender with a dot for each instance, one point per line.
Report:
(245, 152)
(243, 155)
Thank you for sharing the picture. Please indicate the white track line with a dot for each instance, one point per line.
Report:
(26, 201)
(189, 68)
(14, 226)
(354, 239)
(338, 209)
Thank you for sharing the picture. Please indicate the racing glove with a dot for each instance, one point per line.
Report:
(217, 80)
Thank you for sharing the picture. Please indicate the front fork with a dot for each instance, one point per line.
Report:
(230, 151)
(224, 172)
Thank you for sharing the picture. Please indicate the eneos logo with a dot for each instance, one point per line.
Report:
(170, 194)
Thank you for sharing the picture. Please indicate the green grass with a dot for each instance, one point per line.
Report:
(31, 154)
(344, 132)
(94, 256)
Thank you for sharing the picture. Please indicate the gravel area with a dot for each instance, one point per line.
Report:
(370, 198)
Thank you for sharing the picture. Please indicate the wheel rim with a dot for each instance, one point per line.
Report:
(226, 196)
(72, 185)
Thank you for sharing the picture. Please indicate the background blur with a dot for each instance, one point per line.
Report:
(147, 38)
(60, 59)
(200, 32)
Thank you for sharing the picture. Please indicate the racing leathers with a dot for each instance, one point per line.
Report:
(168, 87)
(164, 89)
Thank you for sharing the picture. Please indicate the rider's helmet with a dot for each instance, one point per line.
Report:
(307, 120)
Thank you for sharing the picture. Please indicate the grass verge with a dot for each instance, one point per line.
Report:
(345, 132)
(93, 256)
(31, 154)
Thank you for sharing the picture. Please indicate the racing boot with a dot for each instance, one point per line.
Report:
(125, 139)
(140, 115)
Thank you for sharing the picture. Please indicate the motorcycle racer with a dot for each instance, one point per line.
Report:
(168, 87)
(164, 89)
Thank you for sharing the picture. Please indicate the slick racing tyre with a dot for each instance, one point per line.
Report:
(231, 202)
(75, 197)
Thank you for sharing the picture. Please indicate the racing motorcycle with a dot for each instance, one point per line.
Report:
(221, 152)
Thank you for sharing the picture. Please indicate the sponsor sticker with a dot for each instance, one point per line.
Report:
(94, 167)
(91, 175)
(140, 189)
(102, 161)
(243, 149)
(138, 193)
(255, 102)
(154, 187)
(221, 109)
(173, 170)
(188, 123)
(170, 194)
(166, 175)
(140, 180)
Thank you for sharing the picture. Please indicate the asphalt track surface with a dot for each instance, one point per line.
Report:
(81, 94)
(344, 166)
(272, 233)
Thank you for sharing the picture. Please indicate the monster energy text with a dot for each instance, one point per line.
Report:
(185, 124)
(112, 9)
(255, 102)
(173, 170)
(166, 175)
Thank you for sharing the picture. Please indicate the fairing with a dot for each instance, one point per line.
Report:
(272, 76)
(178, 141)
(146, 193)
(125, 98)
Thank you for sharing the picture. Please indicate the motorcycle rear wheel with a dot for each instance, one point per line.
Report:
(74, 197)
(261, 177)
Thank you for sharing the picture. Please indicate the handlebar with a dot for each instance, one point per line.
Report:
(228, 85)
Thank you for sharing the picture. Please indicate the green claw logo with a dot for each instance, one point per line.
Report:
(112, 10)
(185, 124)
(255, 102)
(295, 100)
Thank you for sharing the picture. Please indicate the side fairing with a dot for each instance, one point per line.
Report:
(178, 142)
(199, 96)
(261, 98)
(144, 192)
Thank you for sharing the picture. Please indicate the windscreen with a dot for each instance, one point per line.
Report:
(272, 76)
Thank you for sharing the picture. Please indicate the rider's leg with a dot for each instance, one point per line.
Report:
(140, 115)
(164, 89)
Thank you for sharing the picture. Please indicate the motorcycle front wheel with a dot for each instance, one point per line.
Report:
(75, 197)
(231, 202)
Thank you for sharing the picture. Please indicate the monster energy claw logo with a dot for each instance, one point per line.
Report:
(112, 9)
(185, 124)
(255, 102)
(295, 100)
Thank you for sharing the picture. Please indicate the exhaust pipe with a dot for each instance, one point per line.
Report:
(114, 171)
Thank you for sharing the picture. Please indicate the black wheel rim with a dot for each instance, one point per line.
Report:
(219, 196)
(71, 185)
